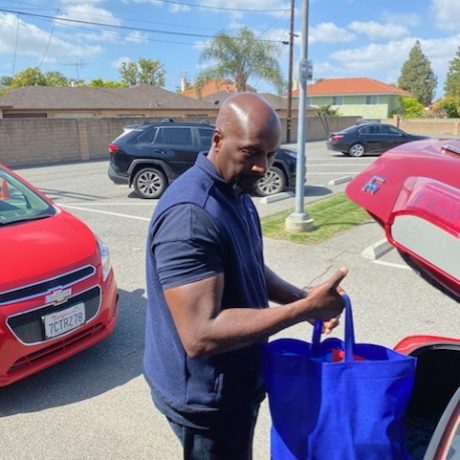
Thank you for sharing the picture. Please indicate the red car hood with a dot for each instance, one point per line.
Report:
(413, 191)
(49, 247)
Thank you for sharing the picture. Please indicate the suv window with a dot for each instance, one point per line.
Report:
(205, 136)
(174, 136)
(147, 136)
(391, 130)
(370, 130)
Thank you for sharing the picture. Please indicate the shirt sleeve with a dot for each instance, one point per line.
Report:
(186, 246)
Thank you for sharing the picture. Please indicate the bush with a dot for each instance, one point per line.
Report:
(411, 107)
(449, 107)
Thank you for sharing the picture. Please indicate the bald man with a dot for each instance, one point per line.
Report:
(209, 289)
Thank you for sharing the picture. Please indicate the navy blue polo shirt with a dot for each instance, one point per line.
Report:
(201, 228)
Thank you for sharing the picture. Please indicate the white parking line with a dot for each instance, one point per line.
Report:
(97, 211)
(391, 264)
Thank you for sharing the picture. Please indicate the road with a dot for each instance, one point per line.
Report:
(97, 405)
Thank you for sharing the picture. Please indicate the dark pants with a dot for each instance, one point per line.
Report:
(229, 439)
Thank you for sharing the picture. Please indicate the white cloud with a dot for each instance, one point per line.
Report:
(32, 41)
(384, 61)
(90, 13)
(201, 44)
(377, 31)
(272, 7)
(104, 36)
(117, 63)
(404, 19)
(328, 32)
(447, 13)
(79, 2)
(176, 8)
(137, 37)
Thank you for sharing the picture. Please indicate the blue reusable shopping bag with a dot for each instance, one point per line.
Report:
(324, 409)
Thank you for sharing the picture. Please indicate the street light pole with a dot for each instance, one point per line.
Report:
(291, 54)
(299, 221)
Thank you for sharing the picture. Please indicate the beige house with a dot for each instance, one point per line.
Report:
(142, 101)
(364, 97)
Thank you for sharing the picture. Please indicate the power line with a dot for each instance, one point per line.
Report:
(114, 26)
(48, 44)
(221, 8)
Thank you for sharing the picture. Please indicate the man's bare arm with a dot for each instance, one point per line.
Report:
(205, 330)
(279, 290)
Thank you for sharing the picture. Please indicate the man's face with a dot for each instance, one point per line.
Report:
(245, 156)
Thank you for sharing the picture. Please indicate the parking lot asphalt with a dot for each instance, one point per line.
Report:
(97, 405)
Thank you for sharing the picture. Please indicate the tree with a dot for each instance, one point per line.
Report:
(452, 84)
(417, 76)
(448, 107)
(411, 107)
(147, 71)
(31, 76)
(99, 83)
(151, 72)
(327, 111)
(56, 79)
(5, 81)
(240, 58)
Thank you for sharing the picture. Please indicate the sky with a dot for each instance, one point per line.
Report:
(346, 38)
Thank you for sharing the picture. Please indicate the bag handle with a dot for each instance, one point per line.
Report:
(349, 331)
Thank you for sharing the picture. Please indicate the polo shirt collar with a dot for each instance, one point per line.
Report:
(208, 167)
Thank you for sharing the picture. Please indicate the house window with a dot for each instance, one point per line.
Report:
(371, 100)
(337, 100)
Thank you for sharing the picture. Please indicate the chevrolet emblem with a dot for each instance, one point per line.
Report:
(59, 295)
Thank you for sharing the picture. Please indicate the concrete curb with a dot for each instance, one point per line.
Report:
(340, 180)
(377, 250)
(277, 197)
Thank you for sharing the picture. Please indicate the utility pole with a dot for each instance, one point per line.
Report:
(291, 54)
(300, 221)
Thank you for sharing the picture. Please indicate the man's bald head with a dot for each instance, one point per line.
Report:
(243, 113)
(245, 140)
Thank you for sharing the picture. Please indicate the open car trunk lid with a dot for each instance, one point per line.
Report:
(413, 191)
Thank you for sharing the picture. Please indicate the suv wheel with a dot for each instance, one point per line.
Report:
(273, 182)
(149, 183)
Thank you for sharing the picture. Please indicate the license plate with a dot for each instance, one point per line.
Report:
(64, 321)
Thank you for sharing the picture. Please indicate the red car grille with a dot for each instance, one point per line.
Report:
(65, 344)
(28, 327)
(47, 285)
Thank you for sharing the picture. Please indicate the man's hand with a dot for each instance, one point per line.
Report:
(325, 301)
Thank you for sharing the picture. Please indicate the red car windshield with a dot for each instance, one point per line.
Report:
(19, 203)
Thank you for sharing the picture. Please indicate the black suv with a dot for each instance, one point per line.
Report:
(150, 156)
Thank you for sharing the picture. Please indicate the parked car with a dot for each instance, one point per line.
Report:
(365, 138)
(149, 156)
(413, 192)
(58, 293)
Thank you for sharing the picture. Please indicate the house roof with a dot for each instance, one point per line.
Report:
(277, 102)
(78, 98)
(352, 86)
(211, 87)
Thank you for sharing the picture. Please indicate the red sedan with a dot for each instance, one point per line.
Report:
(58, 294)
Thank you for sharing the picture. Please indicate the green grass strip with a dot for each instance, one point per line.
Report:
(331, 216)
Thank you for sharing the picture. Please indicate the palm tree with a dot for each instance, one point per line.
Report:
(241, 57)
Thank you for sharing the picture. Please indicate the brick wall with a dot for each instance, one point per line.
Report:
(429, 126)
(40, 141)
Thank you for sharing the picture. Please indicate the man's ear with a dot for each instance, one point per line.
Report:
(216, 138)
